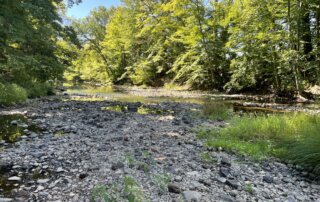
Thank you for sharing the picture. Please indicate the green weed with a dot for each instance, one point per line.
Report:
(161, 181)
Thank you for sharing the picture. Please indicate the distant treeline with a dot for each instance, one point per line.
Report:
(228, 45)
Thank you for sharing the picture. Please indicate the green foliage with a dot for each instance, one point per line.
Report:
(207, 158)
(132, 190)
(12, 93)
(39, 89)
(30, 51)
(100, 192)
(294, 137)
(249, 188)
(216, 110)
(161, 180)
(224, 45)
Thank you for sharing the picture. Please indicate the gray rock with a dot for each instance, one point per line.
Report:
(117, 165)
(14, 122)
(5, 199)
(225, 162)
(192, 196)
(205, 182)
(290, 199)
(233, 184)
(83, 175)
(268, 178)
(43, 181)
(225, 172)
(14, 178)
(60, 170)
(5, 166)
(174, 188)
(221, 179)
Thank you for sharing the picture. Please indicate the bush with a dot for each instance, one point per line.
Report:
(292, 137)
(39, 89)
(11, 94)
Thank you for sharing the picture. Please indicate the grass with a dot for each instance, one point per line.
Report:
(216, 110)
(161, 180)
(294, 137)
(130, 192)
(12, 94)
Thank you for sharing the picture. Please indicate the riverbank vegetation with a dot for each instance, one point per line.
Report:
(254, 46)
(32, 55)
(242, 45)
(292, 137)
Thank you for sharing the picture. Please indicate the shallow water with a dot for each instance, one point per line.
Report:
(115, 93)
(143, 110)
(12, 127)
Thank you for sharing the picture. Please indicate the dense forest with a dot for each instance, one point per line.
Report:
(231, 45)
(228, 45)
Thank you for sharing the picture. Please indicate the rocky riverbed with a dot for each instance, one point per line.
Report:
(150, 151)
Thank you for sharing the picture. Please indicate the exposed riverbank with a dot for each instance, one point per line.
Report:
(85, 144)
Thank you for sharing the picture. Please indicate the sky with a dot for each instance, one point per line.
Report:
(83, 9)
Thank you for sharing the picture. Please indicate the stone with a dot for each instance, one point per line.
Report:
(39, 188)
(290, 199)
(225, 172)
(205, 182)
(60, 170)
(14, 178)
(221, 179)
(14, 122)
(117, 166)
(5, 166)
(174, 188)
(43, 181)
(225, 162)
(268, 179)
(83, 175)
(233, 184)
(6, 199)
(192, 196)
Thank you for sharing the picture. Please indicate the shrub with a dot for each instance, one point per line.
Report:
(39, 89)
(11, 94)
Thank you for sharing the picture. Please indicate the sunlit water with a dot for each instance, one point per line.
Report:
(115, 93)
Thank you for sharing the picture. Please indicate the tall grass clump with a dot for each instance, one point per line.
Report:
(294, 137)
(11, 94)
(216, 110)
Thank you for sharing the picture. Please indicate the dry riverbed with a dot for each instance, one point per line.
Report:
(81, 146)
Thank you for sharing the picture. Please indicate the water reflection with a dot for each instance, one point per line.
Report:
(12, 127)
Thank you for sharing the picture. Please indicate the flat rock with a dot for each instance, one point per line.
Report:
(6, 199)
(43, 181)
(192, 196)
(14, 178)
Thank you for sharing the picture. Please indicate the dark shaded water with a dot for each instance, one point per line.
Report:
(12, 127)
